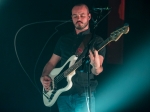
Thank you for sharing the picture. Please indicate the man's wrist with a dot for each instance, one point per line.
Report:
(97, 70)
(97, 67)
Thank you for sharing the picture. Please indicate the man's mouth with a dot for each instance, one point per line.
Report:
(78, 22)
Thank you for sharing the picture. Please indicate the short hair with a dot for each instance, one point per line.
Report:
(82, 4)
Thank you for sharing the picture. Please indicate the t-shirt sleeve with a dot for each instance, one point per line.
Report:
(57, 49)
(97, 45)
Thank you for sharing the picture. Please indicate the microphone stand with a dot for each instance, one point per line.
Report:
(87, 61)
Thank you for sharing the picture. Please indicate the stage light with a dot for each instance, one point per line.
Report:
(128, 85)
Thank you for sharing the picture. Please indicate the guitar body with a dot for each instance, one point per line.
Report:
(50, 97)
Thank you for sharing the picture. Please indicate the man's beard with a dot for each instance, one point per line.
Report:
(81, 27)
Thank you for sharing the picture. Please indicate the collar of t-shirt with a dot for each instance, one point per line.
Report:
(83, 33)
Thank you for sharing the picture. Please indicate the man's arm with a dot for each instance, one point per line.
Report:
(51, 64)
(96, 61)
(45, 79)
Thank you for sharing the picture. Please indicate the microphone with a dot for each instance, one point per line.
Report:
(100, 9)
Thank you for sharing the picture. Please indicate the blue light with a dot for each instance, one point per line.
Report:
(128, 85)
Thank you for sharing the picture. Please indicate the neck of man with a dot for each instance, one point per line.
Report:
(79, 31)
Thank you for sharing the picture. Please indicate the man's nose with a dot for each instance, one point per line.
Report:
(78, 17)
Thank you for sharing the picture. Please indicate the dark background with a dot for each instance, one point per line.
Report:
(17, 91)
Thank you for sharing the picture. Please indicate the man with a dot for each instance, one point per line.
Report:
(74, 100)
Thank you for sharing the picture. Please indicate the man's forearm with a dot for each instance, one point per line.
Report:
(97, 71)
(47, 69)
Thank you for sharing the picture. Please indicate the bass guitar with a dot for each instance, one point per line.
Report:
(57, 74)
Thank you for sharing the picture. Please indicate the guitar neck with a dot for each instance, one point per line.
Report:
(73, 67)
(103, 44)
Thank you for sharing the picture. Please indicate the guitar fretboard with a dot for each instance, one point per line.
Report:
(72, 68)
(68, 71)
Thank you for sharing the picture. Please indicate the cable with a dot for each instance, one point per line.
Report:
(34, 83)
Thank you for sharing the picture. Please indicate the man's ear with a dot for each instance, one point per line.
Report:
(89, 16)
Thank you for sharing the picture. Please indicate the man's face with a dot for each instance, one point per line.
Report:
(80, 17)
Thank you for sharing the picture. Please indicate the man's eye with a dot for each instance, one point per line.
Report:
(74, 16)
(82, 15)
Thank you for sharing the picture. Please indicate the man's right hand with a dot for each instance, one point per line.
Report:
(46, 81)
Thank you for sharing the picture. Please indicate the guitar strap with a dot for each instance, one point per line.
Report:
(83, 44)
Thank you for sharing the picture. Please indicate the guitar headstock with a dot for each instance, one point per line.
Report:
(114, 36)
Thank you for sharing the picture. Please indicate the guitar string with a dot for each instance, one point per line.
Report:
(58, 77)
(61, 76)
(68, 71)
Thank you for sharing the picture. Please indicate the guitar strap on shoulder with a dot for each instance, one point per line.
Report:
(83, 44)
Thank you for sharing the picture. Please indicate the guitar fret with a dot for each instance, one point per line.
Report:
(58, 78)
(68, 71)
(103, 44)
(72, 68)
